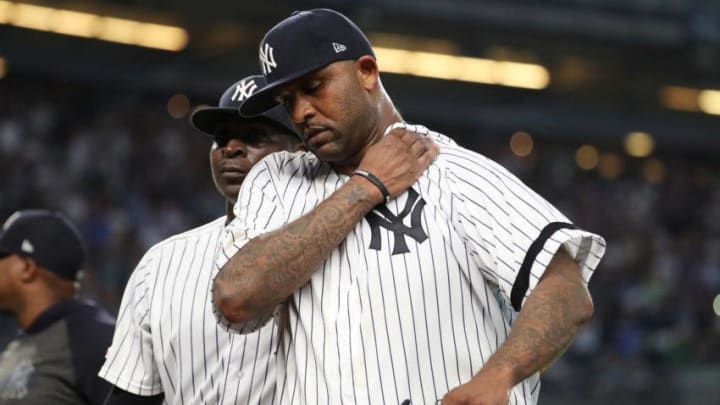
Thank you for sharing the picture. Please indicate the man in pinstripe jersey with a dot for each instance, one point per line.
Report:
(452, 282)
(167, 346)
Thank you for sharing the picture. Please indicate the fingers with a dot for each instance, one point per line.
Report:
(419, 148)
(402, 133)
(400, 158)
(432, 153)
(407, 136)
(419, 143)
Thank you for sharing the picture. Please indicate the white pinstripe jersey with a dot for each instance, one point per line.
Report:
(167, 339)
(411, 310)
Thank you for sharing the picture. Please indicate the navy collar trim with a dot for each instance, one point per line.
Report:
(52, 315)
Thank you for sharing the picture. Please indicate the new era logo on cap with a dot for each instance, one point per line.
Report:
(267, 59)
(243, 90)
(339, 47)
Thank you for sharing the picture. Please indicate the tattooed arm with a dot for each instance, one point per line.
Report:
(270, 267)
(549, 320)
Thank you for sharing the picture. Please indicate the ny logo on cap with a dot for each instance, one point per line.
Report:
(243, 90)
(339, 47)
(267, 59)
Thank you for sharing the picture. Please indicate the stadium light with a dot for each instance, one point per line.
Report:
(462, 68)
(709, 101)
(89, 25)
(587, 157)
(5, 9)
(689, 99)
(680, 98)
(178, 106)
(610, 166)
(521, 144)
(75, 23)
(639, 144)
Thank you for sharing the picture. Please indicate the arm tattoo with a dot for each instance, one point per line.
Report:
(550, 319)
(271, 267)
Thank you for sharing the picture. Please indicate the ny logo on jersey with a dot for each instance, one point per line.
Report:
(267, 59)
(394, 223)
(244, 90)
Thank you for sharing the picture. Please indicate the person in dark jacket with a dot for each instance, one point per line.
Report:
(62, 343)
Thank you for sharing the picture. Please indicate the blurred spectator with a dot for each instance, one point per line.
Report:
(57, 356)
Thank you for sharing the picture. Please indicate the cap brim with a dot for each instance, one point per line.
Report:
(264, 99)
(206, 118)
(279, 116)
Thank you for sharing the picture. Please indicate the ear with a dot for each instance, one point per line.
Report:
(28, 271)
(367, 71)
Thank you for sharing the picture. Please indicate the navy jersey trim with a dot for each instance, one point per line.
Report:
(522, 282)
(89, 333)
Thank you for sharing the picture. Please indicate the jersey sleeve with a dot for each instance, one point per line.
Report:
(129, 362)
(511, 232)
(257, 211)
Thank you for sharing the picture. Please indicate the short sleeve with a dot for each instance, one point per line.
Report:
(129, 362)
(510, 231)
(257, 211)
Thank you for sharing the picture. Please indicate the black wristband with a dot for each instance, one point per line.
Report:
(374, 180)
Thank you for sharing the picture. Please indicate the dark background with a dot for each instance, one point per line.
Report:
(87, 127)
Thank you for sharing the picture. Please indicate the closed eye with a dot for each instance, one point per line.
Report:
(285, 101)
(312, 86)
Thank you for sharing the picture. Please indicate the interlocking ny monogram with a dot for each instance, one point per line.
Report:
(267, 59)
(244, 90)
(395, 224)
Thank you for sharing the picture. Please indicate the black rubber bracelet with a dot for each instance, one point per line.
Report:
(374, 180)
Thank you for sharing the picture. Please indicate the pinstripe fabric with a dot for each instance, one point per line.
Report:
(376, 327)
(167, 340)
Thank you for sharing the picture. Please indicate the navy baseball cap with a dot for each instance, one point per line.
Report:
(304, 42)
(49, 238)
(205, 119)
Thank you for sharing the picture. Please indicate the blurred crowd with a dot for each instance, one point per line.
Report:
(130, 175)
(115, 162)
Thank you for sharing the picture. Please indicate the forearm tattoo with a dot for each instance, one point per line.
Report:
(271, 267)
(550, 319)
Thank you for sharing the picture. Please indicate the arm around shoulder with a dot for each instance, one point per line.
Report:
(270, 267)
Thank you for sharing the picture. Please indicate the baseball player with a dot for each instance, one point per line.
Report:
(56, 358)
(398, 274)
(167, 345)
